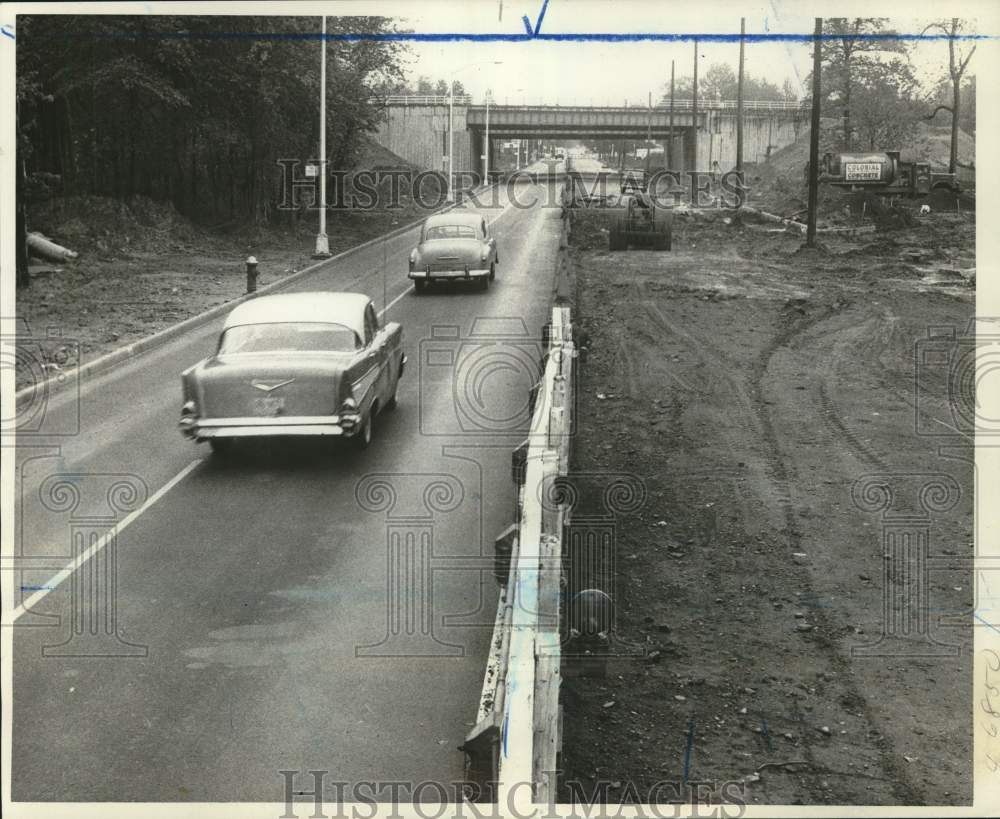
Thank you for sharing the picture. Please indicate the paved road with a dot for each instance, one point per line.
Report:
(265, 621)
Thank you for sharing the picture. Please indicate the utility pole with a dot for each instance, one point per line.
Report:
(649, 121)
(451, 141)
(670, 138)
(694, 113)
(739, 104)
(322, 242)
(486, 147)
(814, 137)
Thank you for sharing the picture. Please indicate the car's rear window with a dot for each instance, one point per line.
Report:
(290, 337)
(450, 232)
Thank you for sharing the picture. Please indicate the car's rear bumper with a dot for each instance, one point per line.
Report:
(204, 429)
(447, 275)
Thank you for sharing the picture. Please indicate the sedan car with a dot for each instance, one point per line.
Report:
(454, 246)
(294, 365)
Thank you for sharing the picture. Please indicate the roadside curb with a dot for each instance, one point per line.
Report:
(53, 384)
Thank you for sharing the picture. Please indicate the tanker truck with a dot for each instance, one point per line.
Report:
(883, 173)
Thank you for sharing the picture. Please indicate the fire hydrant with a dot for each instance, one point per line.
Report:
(251, 274)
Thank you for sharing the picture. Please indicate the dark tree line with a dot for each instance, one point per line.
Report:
(719, 82)
(191, 110)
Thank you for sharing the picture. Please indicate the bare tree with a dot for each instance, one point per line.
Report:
(957, 63)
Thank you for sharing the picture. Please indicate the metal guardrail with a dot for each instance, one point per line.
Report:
(679, 105)
(425, 99)
(517, 736)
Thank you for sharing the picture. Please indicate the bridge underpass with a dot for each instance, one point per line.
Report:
(416, 128)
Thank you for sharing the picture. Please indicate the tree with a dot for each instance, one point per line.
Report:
(957, 64)
(857, 42)
(719, 82)
(887, 106)
(193, 110)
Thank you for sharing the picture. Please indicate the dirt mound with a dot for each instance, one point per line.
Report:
(779, 185)
(106, 227)
(373, 156)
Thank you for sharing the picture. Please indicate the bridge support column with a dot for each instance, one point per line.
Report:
(478, 149)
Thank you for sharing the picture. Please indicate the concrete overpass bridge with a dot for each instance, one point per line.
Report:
(416, 128)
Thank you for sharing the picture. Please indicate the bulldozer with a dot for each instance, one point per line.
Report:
(641, 226)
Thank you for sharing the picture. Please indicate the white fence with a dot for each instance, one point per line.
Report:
(517, 736)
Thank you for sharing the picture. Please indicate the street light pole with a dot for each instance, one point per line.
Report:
(451, 127)
(322, 242)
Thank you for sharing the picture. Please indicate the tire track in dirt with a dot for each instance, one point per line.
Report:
(754, 418)
(903, 789)
(755, 423)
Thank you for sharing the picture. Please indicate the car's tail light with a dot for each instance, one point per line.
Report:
(349, 415)
(189, 416)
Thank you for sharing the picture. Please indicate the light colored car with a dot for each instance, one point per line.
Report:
(454, 246)
(295, 364)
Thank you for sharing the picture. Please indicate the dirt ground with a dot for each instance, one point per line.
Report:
(143, 267)
(751, 385)
(109, 298)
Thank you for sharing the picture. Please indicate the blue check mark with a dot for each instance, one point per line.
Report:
(533, 32)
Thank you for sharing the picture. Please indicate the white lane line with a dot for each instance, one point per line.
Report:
(60, 576)
(391, 303)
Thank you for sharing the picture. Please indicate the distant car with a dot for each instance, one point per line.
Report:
(297, 364)
(454, 246)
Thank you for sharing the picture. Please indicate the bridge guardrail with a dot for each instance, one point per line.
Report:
(425, 99)
(679, 105)
(517, 736)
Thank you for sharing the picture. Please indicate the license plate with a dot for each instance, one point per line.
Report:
(268, 405)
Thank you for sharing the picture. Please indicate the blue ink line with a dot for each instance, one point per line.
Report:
(767, 734)
(7, 31)
(986, 622)
(687, 750)
(36, 588)
(503, 733)
(527, 36)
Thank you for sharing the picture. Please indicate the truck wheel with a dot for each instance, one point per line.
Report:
(493, 271)
(392, 403)
(419, 287)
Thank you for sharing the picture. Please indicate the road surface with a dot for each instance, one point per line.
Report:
(264, 618)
